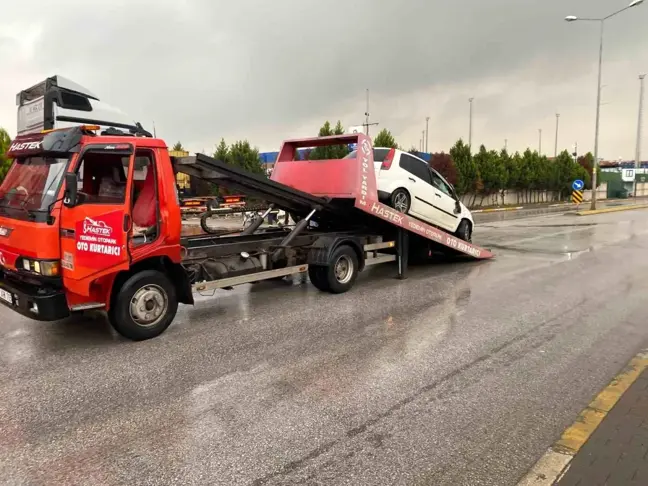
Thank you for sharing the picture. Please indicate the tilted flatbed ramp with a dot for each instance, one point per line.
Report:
(355, 179)
(342, 190)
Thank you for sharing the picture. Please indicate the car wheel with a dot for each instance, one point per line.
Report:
(464, 231)
(400, 201)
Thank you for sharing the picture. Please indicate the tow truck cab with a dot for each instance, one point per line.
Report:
(79, 214)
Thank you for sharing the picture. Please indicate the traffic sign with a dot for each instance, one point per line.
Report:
(578, 185)
(577, 197)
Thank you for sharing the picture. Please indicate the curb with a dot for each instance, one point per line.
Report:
(493, 210)
(555, 462)
(590, 212)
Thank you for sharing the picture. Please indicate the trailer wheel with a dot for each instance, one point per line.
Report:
(144, 306)
(317, 276)
(342, 270)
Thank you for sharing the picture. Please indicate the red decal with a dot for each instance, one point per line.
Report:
(100, 240)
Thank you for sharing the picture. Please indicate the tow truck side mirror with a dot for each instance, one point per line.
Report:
(70, 196)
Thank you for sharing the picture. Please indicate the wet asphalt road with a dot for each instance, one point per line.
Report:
(461, 375)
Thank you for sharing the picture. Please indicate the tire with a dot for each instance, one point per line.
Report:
(464, 231)
(400, 200)
(148, 287)
(317, 276)
(342, 270)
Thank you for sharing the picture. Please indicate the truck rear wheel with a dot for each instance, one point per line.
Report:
(317, 276)
(340, 274)
(144, 306)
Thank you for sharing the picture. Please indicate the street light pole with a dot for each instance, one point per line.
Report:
(639, 123)
(427, 132)
(539, 141)
(556, 142)
(601, 21)
(470, 100)
(598, 118)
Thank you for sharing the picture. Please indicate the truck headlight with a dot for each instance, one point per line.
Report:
(47, 268)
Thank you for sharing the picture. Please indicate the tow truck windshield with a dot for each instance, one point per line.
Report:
(32, 184)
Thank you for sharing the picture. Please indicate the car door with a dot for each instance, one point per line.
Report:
(444, 201)
(419, 184)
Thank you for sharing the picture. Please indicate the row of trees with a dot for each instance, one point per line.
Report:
(490, 173)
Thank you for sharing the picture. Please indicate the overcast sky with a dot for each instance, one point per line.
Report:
(269, 70)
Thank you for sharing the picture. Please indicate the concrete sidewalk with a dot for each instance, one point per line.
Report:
(617, 452)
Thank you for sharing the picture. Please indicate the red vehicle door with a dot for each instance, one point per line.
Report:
(94, 233)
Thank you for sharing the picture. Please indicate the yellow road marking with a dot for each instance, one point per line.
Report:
(611, 210)
(556, 460)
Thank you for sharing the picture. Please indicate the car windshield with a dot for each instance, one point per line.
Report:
(379, 154)
(32, 183)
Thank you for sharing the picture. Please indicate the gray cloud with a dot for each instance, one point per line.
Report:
(272, 70)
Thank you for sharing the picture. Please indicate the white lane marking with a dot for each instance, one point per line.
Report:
(547, 470)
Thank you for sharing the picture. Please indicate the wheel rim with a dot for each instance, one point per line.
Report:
(343, 269)
(149, 305)
(400, 202)
(467, 232)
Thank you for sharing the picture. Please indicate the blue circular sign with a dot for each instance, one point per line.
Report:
(578, 185)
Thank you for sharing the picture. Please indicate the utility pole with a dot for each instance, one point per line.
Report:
(506, 144)
(470, 100)
(366, 123)
(539, 141)
(639, 123)
(556, 144)
(427, 132)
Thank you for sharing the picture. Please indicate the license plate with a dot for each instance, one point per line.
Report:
(6, 296)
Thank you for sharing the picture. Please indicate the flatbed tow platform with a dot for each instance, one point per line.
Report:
(332, 200)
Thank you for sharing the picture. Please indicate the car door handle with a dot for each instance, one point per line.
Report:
(437, 194)
(412, 179)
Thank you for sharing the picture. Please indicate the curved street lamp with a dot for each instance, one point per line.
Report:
(601, 21)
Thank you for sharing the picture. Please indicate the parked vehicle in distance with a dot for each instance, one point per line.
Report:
(409, 185)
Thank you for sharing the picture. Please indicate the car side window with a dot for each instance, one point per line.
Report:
(439, 183)
(415, 167)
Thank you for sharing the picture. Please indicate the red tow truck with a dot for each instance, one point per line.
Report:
(92, 221)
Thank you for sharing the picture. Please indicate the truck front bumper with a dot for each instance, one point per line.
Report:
(38, 303)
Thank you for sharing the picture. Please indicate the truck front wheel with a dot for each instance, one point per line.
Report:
(144, 306)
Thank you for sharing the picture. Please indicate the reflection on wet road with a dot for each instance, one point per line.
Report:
(462, 374)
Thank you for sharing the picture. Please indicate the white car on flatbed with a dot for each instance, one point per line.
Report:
(409, 185)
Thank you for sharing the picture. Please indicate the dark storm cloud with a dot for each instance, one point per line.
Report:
(205, 69)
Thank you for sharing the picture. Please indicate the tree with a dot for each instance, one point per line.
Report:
(491, 171)
(178, 147)
(587, 162)
(444, 165)
(331, 151)
(468, 180)
(241, 154)
(385, 139)
(222, 152)
(5, 143)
